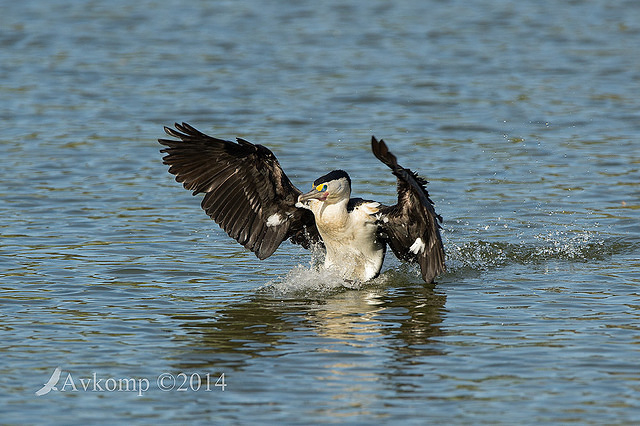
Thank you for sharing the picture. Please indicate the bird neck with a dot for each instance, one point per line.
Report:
(332, 215)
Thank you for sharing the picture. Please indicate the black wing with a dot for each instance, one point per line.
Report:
(411, 226)
(246, 191)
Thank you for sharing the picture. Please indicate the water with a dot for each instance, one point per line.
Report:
(522, 115)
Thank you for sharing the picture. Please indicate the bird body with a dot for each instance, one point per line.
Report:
(350, 236)
(248, 194)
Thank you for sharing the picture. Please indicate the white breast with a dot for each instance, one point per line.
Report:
(351, 240)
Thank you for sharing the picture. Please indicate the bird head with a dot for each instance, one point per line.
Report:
(330, 188)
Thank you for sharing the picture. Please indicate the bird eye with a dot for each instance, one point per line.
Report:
(322, 187)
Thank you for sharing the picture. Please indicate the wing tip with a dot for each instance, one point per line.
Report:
(182, 131)
(431, 272)
(433, 263)
(382, 153)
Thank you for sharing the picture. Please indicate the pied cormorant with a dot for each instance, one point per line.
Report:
(248, 194)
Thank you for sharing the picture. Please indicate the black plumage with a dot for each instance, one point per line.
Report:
(411, 218)
(248, 194)
(244, 187)
(334, 175)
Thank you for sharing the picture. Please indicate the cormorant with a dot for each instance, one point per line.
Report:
(248, 194)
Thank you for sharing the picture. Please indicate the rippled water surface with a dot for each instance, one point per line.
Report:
(524, 116)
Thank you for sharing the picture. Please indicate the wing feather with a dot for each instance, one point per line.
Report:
(243, 184)
(411, 226)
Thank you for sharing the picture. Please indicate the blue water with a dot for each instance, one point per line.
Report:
(524, 117)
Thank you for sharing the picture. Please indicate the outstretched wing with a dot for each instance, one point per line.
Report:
(411, 226)
(246, 191)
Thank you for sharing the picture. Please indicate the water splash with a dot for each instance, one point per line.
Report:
(567, 245)
(572, 246)
(303, 280)
(315, 280)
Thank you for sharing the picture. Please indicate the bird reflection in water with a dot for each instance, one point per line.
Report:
(403, 320)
